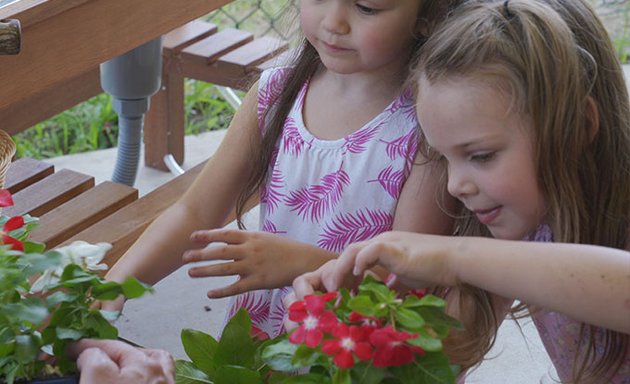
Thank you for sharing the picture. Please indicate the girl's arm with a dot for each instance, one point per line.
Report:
(206, 204)
(418, 208)
(588, 283)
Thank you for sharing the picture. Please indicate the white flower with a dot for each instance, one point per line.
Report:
(87, 256)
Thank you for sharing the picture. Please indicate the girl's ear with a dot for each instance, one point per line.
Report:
(592, 118)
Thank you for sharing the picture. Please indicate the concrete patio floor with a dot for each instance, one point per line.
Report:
(518, 356)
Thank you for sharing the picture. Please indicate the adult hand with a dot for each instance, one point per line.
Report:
(262, 260)
(417, 260)
(115, 362)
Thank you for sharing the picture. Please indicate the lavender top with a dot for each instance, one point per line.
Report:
(560, 334)
(329, 193)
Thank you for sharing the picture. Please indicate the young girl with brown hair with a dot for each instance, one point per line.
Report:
(524, 104)
(327, 144)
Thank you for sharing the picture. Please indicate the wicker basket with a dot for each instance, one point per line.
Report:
(7, 150)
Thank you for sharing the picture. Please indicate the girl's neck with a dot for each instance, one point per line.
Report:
(338, 105)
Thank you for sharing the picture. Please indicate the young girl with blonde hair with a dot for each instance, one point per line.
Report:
(524, 104)
(326, 145)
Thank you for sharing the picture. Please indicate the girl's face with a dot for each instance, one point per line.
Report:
(489, 153)
(354, 36)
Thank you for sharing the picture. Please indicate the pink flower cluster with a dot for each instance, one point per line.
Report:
(365, 338)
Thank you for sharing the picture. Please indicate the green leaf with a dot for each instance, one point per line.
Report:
(60, 297)
(279, 356)
(309, 378)
(440, 321)
(27, 348)
(367, 373)
(34, 247)
(362, 304)
(236, 346)
(68, 334)
(429, 344)
(409, 319)
(187, 373)
(232, 374)
(342, 376)
(200, 348)
(132, 288)
(31, 310)
(432, 301)
(379, 290)
(107, 291)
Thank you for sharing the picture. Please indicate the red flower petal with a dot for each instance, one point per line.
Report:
(344, 359)
(259, 334)
(13, 223)
(313, 338)
(298, 336)
(363, 351)
(331, 347)
(5, 198)
(15, 244)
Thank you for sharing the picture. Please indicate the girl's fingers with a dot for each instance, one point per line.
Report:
(218, 269)
(368, 257)
(307, 284)
(238, 287)
(214, 252)
(229, 236)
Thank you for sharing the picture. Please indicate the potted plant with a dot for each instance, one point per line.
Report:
(375, 336)
(46, 299)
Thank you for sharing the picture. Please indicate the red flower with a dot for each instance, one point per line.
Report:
(313, 317)
(367, 321)
(350, 341)
(259, 334)
(13, 223)
(5, 198)
(391, 350)
(419, 293)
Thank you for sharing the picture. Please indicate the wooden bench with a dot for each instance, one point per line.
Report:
(70, 207)
(198, 50)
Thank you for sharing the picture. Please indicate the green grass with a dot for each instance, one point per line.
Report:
(93, 124)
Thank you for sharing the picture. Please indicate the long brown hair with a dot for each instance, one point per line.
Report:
(305, 65)
(556, 61)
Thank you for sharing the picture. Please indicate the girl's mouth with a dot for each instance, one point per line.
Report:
(487, 216)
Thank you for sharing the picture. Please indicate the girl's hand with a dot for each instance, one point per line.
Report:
(322, 279)
(417, 260)
(262, 260)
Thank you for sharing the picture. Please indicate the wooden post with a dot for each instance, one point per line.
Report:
(10, 37)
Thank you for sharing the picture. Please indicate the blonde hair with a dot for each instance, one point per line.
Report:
(556, 61)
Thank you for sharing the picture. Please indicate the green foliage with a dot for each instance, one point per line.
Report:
(33, 321)
(238, 358)
(93, 124)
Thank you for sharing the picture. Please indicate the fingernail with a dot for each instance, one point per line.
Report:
(355, 271)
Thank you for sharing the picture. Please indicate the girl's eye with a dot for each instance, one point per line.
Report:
(482, 157)
(366, 10)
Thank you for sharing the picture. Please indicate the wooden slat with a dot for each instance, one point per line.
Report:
(81, 212)
(211, 48)
(256, 52)
(50, 101)
(24, 172)
(123, 227)
(49, 193)
(189, 33)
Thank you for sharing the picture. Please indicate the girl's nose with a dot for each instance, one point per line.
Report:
(460, 183)
(335, 20)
